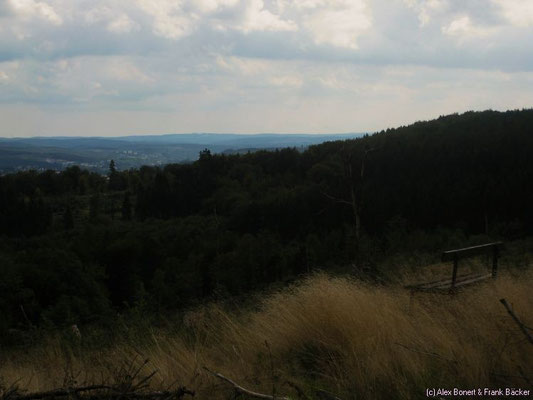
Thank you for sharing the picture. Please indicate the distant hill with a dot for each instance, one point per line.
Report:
(94, 153)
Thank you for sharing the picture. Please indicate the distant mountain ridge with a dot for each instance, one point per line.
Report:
(94, 153)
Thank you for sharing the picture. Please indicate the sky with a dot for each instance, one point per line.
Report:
(121, 67)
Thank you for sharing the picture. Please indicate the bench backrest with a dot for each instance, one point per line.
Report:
(470, 251)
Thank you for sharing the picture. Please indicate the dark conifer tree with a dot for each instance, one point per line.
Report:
(112, 168)
(114, 177)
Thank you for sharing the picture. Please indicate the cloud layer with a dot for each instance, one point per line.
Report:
(138, 66)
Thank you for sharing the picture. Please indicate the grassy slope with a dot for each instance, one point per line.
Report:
(339, 334)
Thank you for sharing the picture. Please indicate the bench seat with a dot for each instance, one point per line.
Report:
(445, 285)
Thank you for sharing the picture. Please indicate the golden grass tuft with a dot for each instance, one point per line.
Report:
(354, 339)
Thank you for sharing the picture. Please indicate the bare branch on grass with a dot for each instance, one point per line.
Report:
(129, 386)
(520, 324)
(97, 392)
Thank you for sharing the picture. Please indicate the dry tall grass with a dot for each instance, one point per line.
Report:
(341, 335)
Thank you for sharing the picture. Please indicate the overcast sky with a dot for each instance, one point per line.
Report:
(117, 67)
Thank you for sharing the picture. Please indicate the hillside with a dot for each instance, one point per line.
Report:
(170, 236)
(133, 257)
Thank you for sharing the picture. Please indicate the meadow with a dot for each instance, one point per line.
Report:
(324, 335)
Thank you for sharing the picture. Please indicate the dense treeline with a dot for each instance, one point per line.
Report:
(77, 246)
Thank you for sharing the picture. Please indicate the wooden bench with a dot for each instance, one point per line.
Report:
(450, 285)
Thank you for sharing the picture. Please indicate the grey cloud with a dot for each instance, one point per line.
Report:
(395, 38)
(481, 11)
(220, 72)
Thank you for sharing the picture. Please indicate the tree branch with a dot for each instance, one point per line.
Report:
(111, 393)
(337, 199)
(518, 322)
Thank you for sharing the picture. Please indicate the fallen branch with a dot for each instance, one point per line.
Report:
(517, 320)
(56, 392)
(129, 385)
(104, 392)
(238, 388)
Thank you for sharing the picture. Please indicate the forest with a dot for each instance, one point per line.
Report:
(77, 247)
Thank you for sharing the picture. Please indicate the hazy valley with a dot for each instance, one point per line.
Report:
(94, 153)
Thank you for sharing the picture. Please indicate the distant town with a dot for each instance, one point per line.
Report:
(94, 153)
